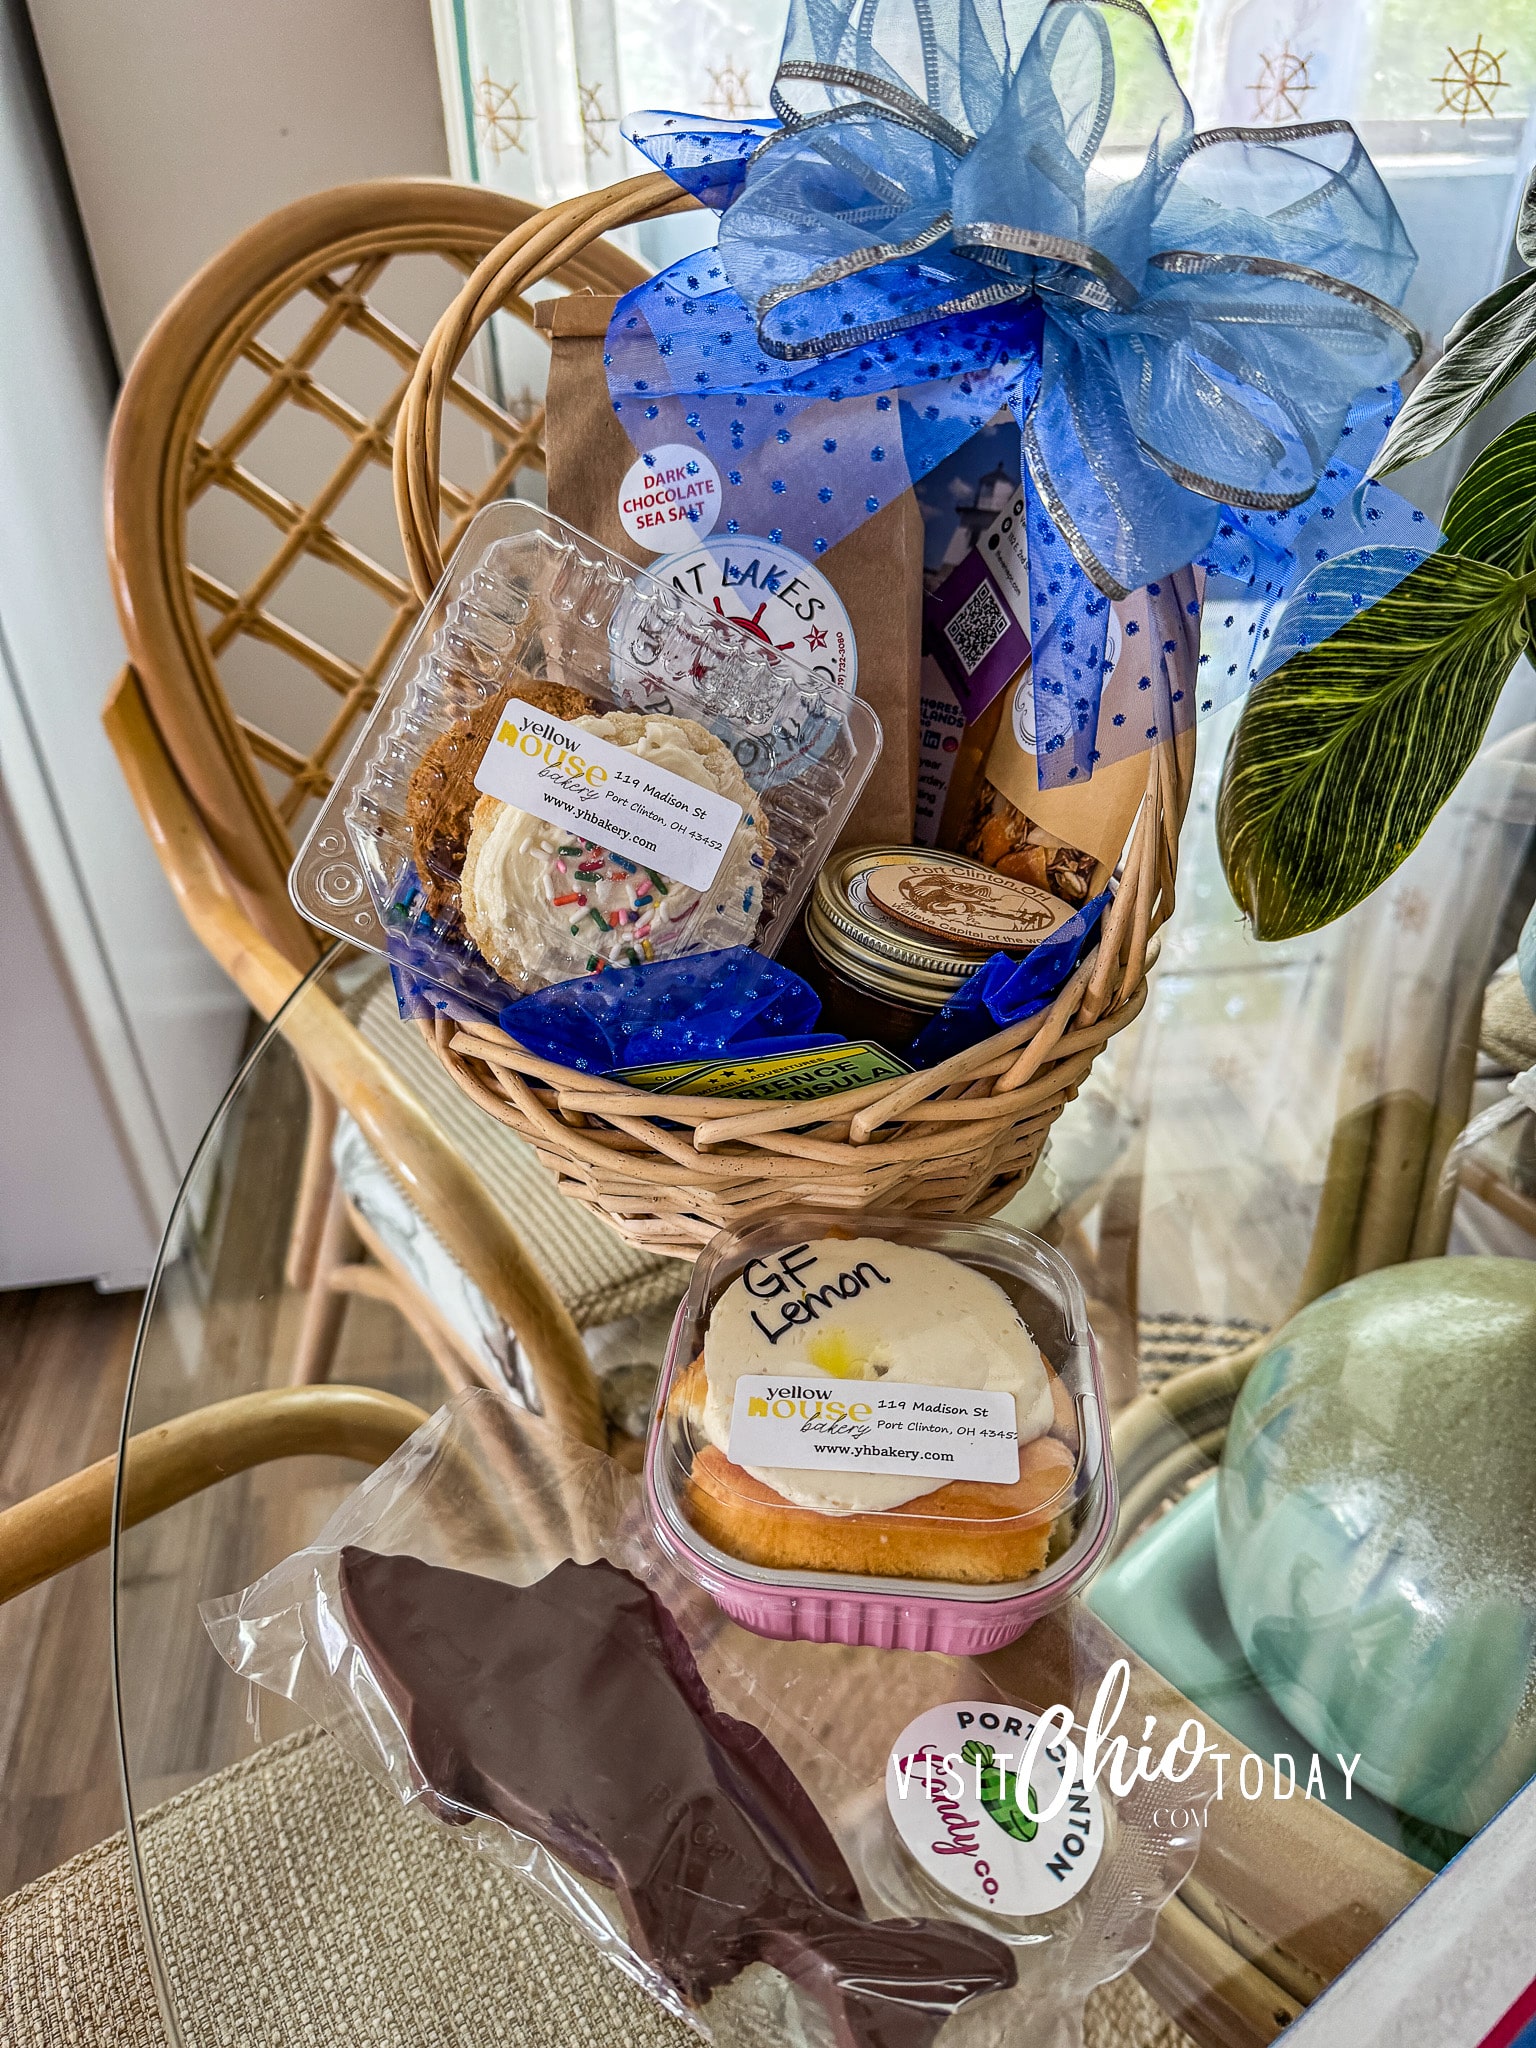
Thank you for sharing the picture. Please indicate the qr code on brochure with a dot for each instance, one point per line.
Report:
(977, 627)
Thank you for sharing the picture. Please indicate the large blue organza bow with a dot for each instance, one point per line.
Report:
(967, 203)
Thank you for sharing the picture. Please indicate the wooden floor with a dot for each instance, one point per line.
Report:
(225, 1323)
(64, 1355)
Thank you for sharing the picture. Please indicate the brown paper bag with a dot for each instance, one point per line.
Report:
(877, 570)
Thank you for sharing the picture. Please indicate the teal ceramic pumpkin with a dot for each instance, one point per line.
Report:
(1376, 1530)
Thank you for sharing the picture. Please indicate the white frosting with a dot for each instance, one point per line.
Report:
(864, 1308)
(542, 905)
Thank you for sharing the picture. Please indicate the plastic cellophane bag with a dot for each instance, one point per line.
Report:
(848, 1939)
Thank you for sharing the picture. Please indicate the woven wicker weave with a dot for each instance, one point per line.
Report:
(957, 1140)
(1508, 1031)
(596, 1274)
(298, 1904)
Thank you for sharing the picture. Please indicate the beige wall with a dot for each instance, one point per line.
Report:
(185, 120)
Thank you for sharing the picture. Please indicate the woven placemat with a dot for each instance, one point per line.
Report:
(1169, 1344)
(301, 1907)
(1508, 1031)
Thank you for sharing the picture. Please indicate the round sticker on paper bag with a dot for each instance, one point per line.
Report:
(952, 1788)
(669, 494)
(1024, 688)
(774, 594)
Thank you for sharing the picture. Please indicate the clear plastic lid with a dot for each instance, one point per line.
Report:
(879, 1404)
(662, 782)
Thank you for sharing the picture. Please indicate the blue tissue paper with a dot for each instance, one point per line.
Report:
(698, 1007)
(1006, 990)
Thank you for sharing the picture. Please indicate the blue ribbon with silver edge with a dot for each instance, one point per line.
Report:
(969, 203)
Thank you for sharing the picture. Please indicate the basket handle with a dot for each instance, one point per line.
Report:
(532, 251)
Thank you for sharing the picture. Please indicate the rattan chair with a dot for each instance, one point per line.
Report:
(255, 429)
(1280, 1903)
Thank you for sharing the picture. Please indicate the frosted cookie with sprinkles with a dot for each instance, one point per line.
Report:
(442, 796)
(542, 905)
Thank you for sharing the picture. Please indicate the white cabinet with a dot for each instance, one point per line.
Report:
(181, 123)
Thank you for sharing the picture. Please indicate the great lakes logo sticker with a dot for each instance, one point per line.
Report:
(775, 595)
(953, 1788)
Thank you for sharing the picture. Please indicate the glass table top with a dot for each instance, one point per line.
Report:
(1208, 1177)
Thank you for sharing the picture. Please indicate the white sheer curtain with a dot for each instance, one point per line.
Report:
(534, 90)
(1443, 96)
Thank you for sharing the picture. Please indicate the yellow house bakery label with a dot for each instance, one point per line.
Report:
(608, 795)
(894, 1428)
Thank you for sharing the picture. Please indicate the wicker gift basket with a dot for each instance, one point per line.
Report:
(956, 1140)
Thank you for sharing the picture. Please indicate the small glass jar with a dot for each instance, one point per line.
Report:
(878, 978)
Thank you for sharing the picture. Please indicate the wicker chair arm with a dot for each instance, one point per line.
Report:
(1156, 1431)
(449, 1198)
(57, 1527)
(1222, 1998)
(1281, 1900)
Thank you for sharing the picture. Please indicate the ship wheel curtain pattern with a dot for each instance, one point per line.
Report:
(535, 92)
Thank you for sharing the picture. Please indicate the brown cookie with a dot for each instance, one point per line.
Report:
(442, 794)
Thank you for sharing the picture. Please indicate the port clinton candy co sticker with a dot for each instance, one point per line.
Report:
(952, 1787)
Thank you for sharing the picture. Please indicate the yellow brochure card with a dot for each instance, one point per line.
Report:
(775, 1077)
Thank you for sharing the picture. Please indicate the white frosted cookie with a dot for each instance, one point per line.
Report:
(542, 905)
(863, 1308)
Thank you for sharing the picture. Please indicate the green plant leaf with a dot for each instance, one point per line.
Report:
(1479, 315)
(1492, 513)
(1483, 351)
(1525, 226)
(1345, 753)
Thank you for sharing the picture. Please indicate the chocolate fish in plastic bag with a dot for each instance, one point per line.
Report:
(777, 1840)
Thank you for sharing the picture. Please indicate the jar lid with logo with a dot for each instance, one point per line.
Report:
(912, 925)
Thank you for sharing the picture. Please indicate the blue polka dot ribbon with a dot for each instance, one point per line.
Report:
(966, 204)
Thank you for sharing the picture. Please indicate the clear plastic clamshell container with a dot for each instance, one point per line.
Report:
(819, 1382)
(530, 609)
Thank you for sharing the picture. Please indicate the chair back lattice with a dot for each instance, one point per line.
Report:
(255, 549)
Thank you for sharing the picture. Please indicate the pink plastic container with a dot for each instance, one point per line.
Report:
(894, 1613)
